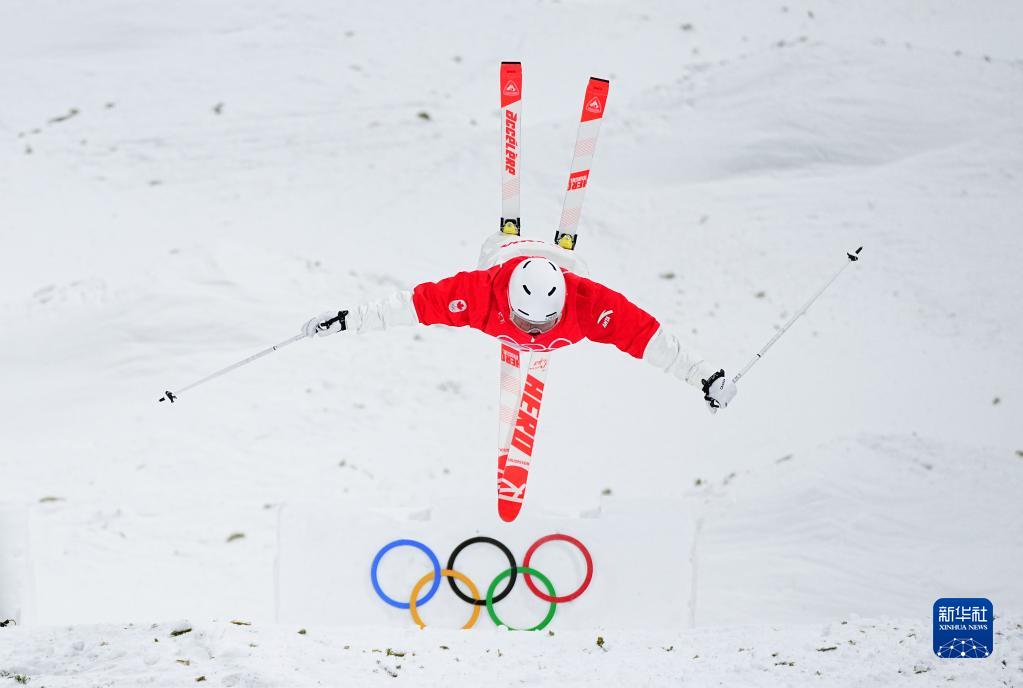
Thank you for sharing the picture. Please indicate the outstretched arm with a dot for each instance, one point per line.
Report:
(616, 320)
(458, 300)
(666, 352)
(392, 311)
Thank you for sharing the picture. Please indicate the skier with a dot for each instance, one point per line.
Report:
(534, 296)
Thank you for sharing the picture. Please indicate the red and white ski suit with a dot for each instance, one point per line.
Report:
(479, 299)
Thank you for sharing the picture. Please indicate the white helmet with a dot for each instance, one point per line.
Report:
(536, 295)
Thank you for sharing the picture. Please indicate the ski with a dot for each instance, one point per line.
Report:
(516, 451)
(585, 146)
(511, 140)
(511, 380)
(511, 392)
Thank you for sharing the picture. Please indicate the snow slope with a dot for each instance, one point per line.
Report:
(183, 188)
(852, 652)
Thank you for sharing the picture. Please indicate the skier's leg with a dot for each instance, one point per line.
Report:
(499, 248)
(491, 245)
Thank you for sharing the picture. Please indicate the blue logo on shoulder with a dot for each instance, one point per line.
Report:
(964, 627)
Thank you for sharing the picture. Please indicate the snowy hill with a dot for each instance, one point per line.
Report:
(183, 188)
(844, 653)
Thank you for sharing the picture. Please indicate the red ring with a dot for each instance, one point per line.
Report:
(589, 568)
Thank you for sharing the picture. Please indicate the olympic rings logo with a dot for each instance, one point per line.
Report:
(492, 596)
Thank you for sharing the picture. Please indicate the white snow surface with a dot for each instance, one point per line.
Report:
(844, 653)
(184, 185)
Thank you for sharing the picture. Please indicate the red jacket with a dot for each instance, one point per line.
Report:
(479, 299)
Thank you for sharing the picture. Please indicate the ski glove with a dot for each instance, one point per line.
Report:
(718, 391)
(325, 323)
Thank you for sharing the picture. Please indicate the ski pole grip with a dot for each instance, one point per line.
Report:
(339, 318)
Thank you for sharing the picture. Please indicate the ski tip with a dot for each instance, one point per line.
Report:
(508, 62)
(508, 510)
(597, 78)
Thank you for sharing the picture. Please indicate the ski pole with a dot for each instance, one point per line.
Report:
(172, 396)
(850, 258)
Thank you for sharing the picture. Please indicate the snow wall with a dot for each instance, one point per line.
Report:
(640, 550)
(15, 567)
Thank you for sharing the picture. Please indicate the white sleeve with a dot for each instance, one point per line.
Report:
(665, 352)
(393, 311)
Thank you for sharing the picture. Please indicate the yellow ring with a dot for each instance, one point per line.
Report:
(450, 574)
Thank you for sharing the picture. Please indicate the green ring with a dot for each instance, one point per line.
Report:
(532, 572)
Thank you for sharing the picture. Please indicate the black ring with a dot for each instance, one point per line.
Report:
(511, 563)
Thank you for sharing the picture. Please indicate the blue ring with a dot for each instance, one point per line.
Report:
(410, 543)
